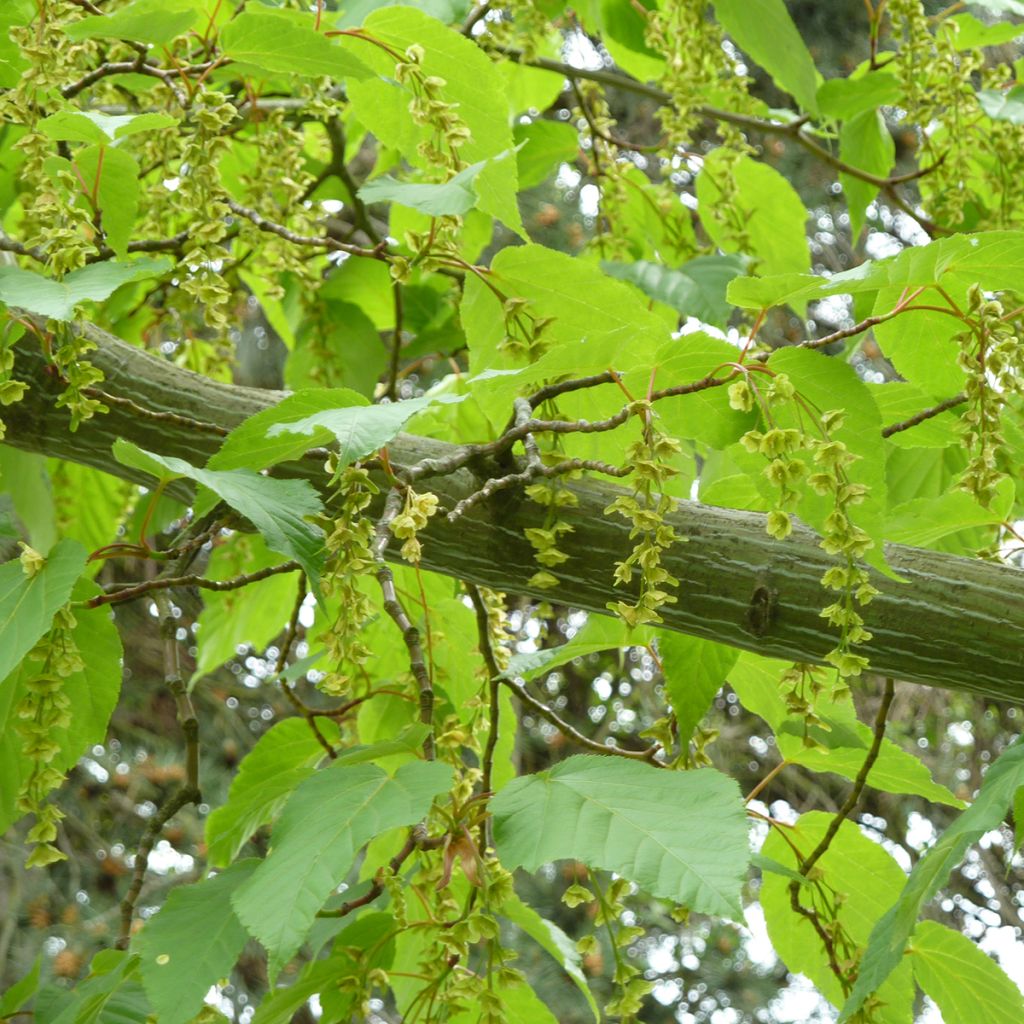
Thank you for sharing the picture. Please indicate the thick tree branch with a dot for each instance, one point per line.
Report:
(951, 622)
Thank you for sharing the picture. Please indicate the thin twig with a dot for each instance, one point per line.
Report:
(925, 414)
(188, 792)
(135, 590)
(493, 682)
(549, 715)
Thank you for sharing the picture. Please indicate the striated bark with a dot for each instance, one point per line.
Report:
(953, 622)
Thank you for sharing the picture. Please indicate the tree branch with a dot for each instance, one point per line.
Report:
(942, 620)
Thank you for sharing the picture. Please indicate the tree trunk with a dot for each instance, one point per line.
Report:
(952, 622)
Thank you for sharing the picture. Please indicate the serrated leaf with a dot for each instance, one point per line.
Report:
(861, 877)
(972, 34)
(29, 603)
(247, 446)
(191, 944)
(610, 814)
(325, 823)
(92, 126)
(697, 288)
(359, 430)
(694, 672)
(890, 935)
(966, 984)
(284, 756)
(277, 508)
(765, 30)
(145, 21)
(285, 42)
(57, 299)
(111, 176)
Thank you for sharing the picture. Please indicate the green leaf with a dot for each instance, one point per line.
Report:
(843, 98)
(472, 82)
(922, 522)
(890, 935)
(519, 1005)
(355, 12)
(359, 430)
(843, 744)
(111, 994)
(765, 31)
(601, 633)
(29, 603)
(551, 938)
(93, 694)
(828, 384)
(610, 814)
(861, 879)
(694, 672)
(864, 142)
(191, 944)
(111, 175)
(774, 215)
(57, 299)
(456, 196)
(597, 322)
(285, 42)
(21, 991)
(325, 823)
(967, 985)
(247, 446)
(284, 756)
(145, 21)
(94, 127)
(542, 147)
(279, 509)
(898, 401)
(1003, 106)
(25, 479)
(973, 34)
(696, 289)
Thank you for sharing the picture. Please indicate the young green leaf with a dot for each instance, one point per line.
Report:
(694, 672)
(279, 509)
(192, 943)
(57, 299)
(610, 814)
(966, 984)
(284, 756)
(146, 21)
(30, 599)
(326, 821)
(765, 30)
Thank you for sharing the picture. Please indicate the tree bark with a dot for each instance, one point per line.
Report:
(952, 622)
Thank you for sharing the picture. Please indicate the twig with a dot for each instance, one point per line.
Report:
(858, 783)
(130, 593)
(273, 228)
(925, 414)
(418, 840)
(493, 682)
(394, 607)
(396, 343)
(188, 792)
(575, 735)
